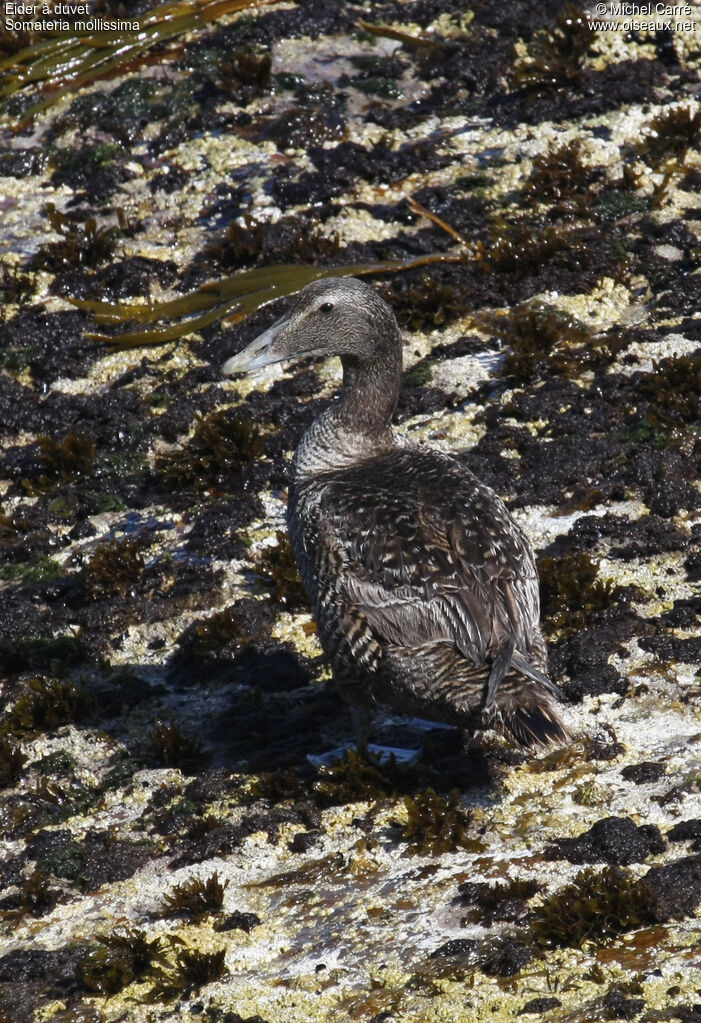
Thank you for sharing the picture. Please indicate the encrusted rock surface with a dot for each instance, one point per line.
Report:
(168, 849)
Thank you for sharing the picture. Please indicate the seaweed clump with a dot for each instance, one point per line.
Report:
(523, 249)
(15, 287)
(252, 242)
(673, 389)
(196, 898)
(232, 628)
(597, 905)
(436, 825)
(191, 970)
(45, 704)
(556, 56)
(541, 337)
(350, 780)
(12, 761)
(279, 786)
(427, 302)
(36, 897)
(560, 176)
(82, 243)
(113, 569)
(675, 132)
(119, 960)
(572, 593)
(594, 907)
(220, 445)
(69, 458)
(280, 567)
(245, 67)
(172, 748)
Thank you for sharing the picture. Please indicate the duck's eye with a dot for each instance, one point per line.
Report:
(326, 307)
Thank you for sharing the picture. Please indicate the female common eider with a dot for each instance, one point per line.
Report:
(424, 589)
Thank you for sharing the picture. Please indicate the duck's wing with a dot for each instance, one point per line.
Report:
(424, 554)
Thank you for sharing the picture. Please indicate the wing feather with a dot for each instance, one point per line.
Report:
(425, 554)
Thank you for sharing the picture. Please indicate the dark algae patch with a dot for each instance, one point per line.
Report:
(611, 840)
(161, 687)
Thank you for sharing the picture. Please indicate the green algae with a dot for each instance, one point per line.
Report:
(58, 763)
(612, 204)
(419, 375)
(41, 570)
(40, 653)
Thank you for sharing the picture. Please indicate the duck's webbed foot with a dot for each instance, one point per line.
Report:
(371, 754)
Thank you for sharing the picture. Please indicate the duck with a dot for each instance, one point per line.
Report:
(423, 587)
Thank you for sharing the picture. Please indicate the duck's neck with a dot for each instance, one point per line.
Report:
(358, 425)
(370, 392)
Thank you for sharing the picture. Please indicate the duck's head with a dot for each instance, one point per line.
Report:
(334, 316)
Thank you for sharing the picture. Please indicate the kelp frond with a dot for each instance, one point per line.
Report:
(237, 296)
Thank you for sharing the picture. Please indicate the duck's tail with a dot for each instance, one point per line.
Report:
(522, 702)
(508, 694)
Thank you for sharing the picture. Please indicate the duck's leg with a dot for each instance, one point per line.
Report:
(360, 716)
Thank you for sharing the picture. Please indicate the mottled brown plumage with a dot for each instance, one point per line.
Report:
(424, 589)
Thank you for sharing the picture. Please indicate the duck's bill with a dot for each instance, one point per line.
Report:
(261, 352)
(270, 346)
